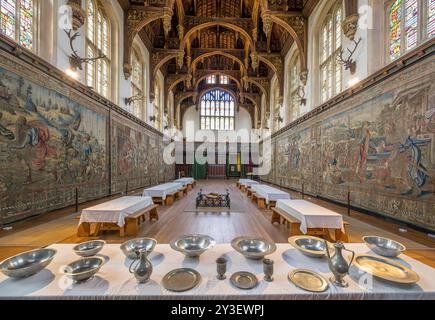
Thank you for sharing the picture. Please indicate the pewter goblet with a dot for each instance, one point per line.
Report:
(221, 268)
(268, 270)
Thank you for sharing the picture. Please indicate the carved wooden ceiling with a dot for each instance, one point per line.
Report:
(246, 40)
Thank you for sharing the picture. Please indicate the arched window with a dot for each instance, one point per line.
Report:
(98, 43)
(410, 22)
(331, 73)
(138, 84)
(157, 107)
(17, 21)
(294, 110)
(211, 79)
(217, 110)
(224, 80)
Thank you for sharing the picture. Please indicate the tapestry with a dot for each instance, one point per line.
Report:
(378, 145)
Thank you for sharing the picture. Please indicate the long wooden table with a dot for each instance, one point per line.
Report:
(114, 281)
(115, 214)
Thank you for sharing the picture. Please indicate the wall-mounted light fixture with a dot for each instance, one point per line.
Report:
(349, 63)
(129, 101)
(75, 61)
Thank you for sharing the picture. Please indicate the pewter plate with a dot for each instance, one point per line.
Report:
(308, 280)
(244, 280)
(180, 280)
(386, 269)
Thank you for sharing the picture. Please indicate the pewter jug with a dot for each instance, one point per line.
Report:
(338, 265)
(143, 269)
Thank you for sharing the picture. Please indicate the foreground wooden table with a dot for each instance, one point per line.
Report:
(115, 282)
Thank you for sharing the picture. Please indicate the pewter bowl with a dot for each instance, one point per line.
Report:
(310, 246)
(253, 248)
(83, 269)
(28, 263)
(383, 246)
(193, 245)
(89, 248)
(132, 247)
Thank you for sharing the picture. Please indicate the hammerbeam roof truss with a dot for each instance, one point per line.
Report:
(242, 31)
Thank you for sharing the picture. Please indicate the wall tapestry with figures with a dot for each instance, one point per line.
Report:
(54, 140)
(379, 146)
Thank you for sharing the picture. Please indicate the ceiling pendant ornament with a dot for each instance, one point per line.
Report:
(255, 34)
(78, 14)
(180, 29)
(254, 60)
(350, 26)
(303, 77)
(267, 24)
(180, 58)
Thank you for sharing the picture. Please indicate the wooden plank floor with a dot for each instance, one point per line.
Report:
(60, 226)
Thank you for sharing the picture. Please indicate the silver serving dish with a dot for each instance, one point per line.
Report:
(386, 269)
(310, 246)
(193, 245)
(83, 269)
(253, 248)
(28, 263)
(89, 248)
(131, 247)
(383, 246)
(308, 280)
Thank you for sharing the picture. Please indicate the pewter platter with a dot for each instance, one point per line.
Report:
(386, 269)
(180, 280)
(244, 280)
(308, 280)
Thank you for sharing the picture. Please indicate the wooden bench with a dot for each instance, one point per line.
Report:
(243, 188)
(271, 205)
(238, 184)
(260, 201)
(179, 194)
(295, 227)
(133, 222)
(249, 192)
(131, 226)
(169, 201)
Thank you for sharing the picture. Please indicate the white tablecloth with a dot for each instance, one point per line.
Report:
(248, 182)
(311, 215)
(269, 193)
(115, 282)
(115, 211)
(185, 181)
(162, 190)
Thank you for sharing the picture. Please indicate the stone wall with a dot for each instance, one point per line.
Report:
(379, 145)
(55, 139)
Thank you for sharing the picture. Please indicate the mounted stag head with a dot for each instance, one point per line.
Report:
(75, 61)
(301, 96)
(129, 101)
(349, 63)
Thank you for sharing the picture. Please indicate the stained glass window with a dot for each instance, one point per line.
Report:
(17, 21)
(330, 43)
(97, 44)
(217, 111)
(224, 80)
(211, 79)
(137, 85)
(405, 23)
(431, 18)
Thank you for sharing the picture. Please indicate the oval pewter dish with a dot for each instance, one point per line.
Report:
(310, 246)
(131, 247)
(89, 248)
(253, 248)
(193, 245)
(28, 263)
(83, 269)
(384, 246)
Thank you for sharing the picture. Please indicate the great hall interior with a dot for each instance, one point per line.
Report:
(226, 149)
